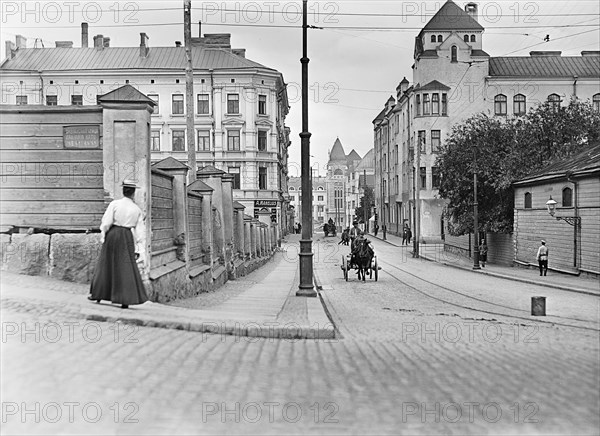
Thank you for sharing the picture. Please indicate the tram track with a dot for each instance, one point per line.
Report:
(480, 300)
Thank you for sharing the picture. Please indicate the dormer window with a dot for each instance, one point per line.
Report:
(440, 39)
(454, 54)
(432, 38)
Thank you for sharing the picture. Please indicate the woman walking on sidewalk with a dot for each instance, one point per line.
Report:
(117, 277)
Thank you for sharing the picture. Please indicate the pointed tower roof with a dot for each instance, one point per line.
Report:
(353, 156)
(451, 17)
(337, 152)
(367, 162)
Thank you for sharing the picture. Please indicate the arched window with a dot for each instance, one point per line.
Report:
(432, 38)
(554, 101)
(596, 102)
(292, 188)
(500, 104)
(567, 197)
(519, 104)
(320, 188)
(440, 39)
(338, 172)
(472, 38)
(528, 200)
(466, 38)
(454, 54)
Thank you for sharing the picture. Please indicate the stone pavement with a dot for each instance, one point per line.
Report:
(268, 309)
(436, 253)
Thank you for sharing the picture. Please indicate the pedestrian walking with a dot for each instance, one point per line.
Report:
(483, 250)
(407, 234)
(117, 277)
(542, 258)
(299, 228)
(375, 229)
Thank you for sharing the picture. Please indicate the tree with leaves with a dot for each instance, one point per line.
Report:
(367, 200)
(503, 150)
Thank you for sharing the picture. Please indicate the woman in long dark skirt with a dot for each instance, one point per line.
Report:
(117, 277)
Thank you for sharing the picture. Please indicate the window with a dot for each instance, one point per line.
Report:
(320, 188)
(77, 100)
(435, 177)
(233, 103)
(233, 140)
(454, 54)
(422, 140)
(473, 38)
(177, 107)
(466, 38)
(292, 188)
(418, 105)
(21, 99)
(596, 102)
(500, 104)
(528, 200)
(203, 108)
(262, 140)
(320, 198)
(554, 101)
(262, 104)
(435, 140)
(567, 197)
(425, 104)
(154, 98)
(235, 172)
(203, 140)
(435, 104)
(519, 104)
(423, 176)
(292, 198)
(51, 100)
(432, 38)
(444, 104)
(262, 178)
(440, 39)
(178, 140)
(155, 140)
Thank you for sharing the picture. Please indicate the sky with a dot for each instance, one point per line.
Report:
(359, 52)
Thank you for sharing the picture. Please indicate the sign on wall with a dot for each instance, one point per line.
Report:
(81, 137)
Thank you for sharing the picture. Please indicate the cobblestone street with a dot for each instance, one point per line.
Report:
(410, 359)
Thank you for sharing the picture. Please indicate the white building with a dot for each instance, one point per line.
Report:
(454, 78)
(319, 200)
(239, 105)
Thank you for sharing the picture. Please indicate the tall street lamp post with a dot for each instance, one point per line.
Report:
(306, 287)
(475, 214)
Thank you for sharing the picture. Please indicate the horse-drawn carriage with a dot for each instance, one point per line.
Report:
(362, 259)
(329, 229)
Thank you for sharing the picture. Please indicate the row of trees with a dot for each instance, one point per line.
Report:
(503, 150)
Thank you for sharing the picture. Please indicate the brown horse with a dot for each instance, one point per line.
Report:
(362, 256)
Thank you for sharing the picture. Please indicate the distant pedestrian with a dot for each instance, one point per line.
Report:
(542, 258)
(299, 228)
(375, 229)
(483, 250)
(407, 236)
(117, 277)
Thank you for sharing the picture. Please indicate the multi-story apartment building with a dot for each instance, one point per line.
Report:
(454, 78)
(239, 105)
(319, 200)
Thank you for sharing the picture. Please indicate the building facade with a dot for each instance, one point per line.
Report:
(239, 105)
(319, 198)
(454, 78)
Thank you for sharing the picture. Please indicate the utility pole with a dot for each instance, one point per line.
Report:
(365, 214)
(189, 91)
(306, 287)
(475, 214)
(417, 206)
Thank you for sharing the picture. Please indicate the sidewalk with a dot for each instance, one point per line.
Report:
(266, 309)
(436, 253)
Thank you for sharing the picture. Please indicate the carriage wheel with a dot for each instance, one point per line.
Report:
(345, 267)
(376, 269)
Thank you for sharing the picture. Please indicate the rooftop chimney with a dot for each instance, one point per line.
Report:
(10, 49)
(544, 53)
(471, 9)
(21, 41)
(84, 35)
(64, 44)
(144, 49)
(177, 43)
(241, 52)
(98, 42)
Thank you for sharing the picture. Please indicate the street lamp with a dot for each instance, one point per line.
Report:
(574, 221)
(475, 214)
(306, 287)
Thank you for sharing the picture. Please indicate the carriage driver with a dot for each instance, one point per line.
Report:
(355, 232)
